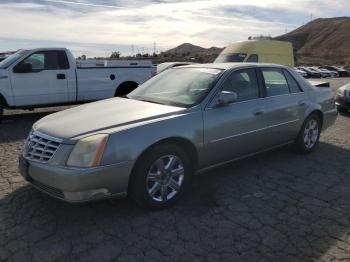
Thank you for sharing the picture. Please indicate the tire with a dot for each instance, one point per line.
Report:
(153, 185)
(342, 110)
(1, 112)
(309, 134)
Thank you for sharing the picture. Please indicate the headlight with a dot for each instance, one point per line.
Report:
(88, 151)
(341, 92)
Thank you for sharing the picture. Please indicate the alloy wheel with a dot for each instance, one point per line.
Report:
(311, 133)
(165, 178)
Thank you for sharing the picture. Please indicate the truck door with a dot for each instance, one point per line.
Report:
(41, 78)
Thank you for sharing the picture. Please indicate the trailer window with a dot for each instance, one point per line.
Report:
(228, 58)
(253, 59)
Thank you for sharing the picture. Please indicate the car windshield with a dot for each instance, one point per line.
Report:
(12, 58)
(183, 87)
(227, 58)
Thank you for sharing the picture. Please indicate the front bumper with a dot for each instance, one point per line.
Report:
(77, 184)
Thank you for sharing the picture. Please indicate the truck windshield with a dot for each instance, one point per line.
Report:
(230, 58)
(12, 58)
(183, 87)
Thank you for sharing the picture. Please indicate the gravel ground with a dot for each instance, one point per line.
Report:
(277, 206)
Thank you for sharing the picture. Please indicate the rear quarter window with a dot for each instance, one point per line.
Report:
(293, 84)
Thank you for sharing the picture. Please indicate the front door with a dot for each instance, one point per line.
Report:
(45, 83)
(236, 129)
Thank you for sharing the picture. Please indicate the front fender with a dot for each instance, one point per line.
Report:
(129, 144)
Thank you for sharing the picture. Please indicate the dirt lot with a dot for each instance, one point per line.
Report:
(277, 206)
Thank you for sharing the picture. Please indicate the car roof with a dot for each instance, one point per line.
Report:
(227, 66)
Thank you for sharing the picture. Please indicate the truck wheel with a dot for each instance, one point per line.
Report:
(309, 134)
(160, 177)
(125, 88)
(1, 112)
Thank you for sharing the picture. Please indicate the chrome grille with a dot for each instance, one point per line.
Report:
(40, 147)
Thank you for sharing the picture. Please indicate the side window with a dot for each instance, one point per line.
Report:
(275, 82)
(244, 83)
(293, 85)
(253, 59)
(37, 61)
(47, 60)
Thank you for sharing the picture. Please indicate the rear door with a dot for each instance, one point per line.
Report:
(285, 104)
(236, 129)
(46, 83)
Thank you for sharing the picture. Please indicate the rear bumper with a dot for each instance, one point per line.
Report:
(77, 184)
(329, 118)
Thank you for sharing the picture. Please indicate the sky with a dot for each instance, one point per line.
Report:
(96, 28)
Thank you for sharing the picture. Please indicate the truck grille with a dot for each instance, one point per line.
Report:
(40, 147)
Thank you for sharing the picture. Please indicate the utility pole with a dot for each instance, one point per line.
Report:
(154, 48)
(132, 50)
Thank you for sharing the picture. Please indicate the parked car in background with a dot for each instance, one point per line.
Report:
(330, 73)
(258, 51)
(179, 123)
(342, 98)
(311, 73)
(340, 71)
(51, 76)
(301, 72)
(164, 66)
(324, 74)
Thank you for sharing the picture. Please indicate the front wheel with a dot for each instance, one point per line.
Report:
(160, 177)
(309, 134)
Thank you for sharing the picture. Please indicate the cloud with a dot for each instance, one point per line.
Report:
(103, 24)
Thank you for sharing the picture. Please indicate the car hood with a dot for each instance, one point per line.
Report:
(112, 114)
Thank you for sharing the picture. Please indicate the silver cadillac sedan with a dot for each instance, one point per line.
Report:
(182, 122)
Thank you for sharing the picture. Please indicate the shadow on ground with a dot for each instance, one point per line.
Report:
(277, 206)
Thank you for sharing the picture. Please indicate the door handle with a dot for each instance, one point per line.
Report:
(61, 76)
(258, 112)
(302, 103)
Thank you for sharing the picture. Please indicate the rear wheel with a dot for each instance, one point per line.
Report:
(160, 177)
(125, 88)
(309, 134)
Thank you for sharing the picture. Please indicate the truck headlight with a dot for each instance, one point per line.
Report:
(88, 151)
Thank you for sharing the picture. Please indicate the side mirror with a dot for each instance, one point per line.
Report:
(226, 97)
(23, 68)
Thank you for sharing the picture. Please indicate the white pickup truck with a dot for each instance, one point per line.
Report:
(51, 76)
